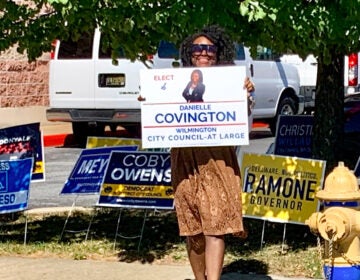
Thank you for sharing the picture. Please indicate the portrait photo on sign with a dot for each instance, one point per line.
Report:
(195, 89)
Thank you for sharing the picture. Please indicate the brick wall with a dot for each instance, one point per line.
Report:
(23, 84)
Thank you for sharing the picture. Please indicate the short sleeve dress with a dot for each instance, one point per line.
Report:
(207, 187)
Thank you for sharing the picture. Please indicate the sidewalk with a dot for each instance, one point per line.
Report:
(54, 132)
(20, 268)
(25, 115)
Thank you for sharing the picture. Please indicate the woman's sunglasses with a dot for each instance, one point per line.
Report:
(199, 48)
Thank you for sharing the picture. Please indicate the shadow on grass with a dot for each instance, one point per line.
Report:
(246, 266)
(160, 235)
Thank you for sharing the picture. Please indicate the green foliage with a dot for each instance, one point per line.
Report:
(311, 26)
(307, 26)
(327, 29)
(136, 26)
(63, 2)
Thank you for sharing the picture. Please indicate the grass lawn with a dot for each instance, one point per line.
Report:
(293, 252)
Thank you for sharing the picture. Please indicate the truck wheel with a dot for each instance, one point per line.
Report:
(287, 106)
(81, 130)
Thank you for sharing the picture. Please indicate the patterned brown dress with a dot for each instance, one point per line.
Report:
(207, 190)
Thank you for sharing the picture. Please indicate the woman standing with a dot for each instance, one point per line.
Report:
(206, 180)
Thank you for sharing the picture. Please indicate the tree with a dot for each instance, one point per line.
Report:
(137, 26)
(327, 29)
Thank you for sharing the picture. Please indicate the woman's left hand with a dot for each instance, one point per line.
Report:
(250, 87)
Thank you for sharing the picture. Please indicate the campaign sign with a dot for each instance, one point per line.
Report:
(89, 170)
(24, 141)
(294, 136)
(279, 188)
(191, 107)
(96, 142)
(15, 178)
(137, 180)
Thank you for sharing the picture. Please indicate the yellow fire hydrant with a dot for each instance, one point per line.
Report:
(339, 224)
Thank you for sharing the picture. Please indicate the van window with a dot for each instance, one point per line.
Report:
(240, 53)
(267, 54)
(167, 50)
(80, 49)
(105, 50)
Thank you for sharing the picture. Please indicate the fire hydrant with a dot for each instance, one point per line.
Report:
(339, 224)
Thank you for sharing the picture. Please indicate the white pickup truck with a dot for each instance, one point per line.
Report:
(307, 69)
(87, 89)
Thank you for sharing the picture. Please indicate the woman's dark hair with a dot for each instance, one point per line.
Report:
(199, 73)
(225, 46)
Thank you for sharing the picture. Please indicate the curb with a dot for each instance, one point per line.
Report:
(60, 210)
(55, 140)
(61, 139)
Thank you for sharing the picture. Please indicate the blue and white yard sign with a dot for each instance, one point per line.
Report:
(218, 118)
(294, 136)
(24, 141)
(137, 180)
(89, 170)
(15, 178)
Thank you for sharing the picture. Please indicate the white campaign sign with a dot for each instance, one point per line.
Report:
(169, 120)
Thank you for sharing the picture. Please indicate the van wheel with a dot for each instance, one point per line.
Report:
(287, 106)
(113, 127)
(81, 130)
(134, 130)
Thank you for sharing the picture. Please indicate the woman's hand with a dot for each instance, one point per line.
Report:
(140, 98)
(249, 85)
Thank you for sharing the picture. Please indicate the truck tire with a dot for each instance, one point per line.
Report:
(81, 130)
(287, 106)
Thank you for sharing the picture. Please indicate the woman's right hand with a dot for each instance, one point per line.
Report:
(140, 98)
